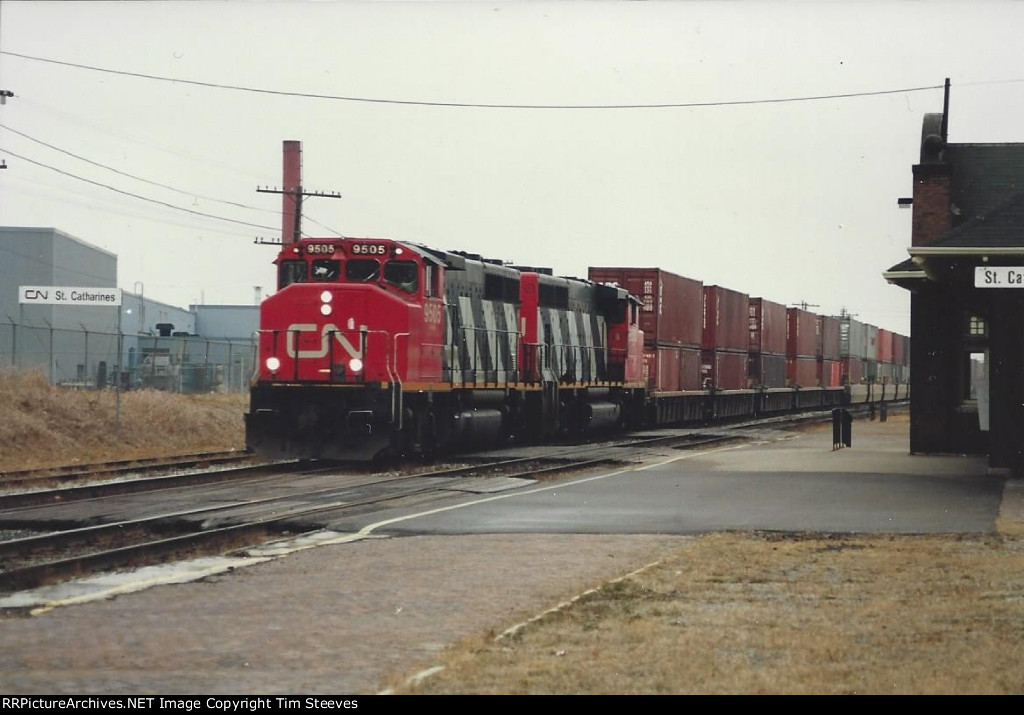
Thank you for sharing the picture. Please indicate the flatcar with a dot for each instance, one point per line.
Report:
(373, 346)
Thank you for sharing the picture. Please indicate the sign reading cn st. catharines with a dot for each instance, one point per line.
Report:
(63, 295)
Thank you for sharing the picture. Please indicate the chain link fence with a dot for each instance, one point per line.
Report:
(88, 360)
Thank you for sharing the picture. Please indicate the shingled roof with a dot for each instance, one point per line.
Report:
(987, 194)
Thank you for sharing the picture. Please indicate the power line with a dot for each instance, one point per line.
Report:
(372, 100)
(132, 176)
(137, 196)
(156, 183)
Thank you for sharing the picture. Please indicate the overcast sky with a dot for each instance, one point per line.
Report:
(794, 201)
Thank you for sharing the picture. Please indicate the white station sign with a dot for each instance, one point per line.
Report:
(62, 295)
(999, 277)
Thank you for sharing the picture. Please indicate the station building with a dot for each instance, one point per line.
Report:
(967, 308)
(199, 348)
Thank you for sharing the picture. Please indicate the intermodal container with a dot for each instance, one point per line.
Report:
(853, 339)
(870, 370)
(828, 337)
(886, 373)
(671, 368)
(766, 324)
(899, 349)
(801, 333)
(872, 343)
(766, 370)
(885, 346)
(724, 369)
(853, 370)
(725, 321)
(672, 305)
(802, 371)
(829, 373)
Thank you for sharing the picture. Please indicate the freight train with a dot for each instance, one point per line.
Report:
(375, 346)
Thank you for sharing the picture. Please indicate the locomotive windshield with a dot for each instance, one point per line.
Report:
(326, 270)
(291, 272)
(362, 270)
(402, 274)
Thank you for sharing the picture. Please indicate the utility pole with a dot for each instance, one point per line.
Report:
(292, 194)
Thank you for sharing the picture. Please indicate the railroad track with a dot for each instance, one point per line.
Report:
(74, 549)
(46, 477)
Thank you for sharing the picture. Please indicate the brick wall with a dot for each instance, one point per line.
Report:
(932, 216)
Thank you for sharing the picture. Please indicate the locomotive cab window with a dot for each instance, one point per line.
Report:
(402, 274)
(362, 270)
(431, 281)
(326, 270)
(291, 272)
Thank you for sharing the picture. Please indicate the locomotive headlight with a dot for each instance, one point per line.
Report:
(355, 365)
(325, 309)
(326, 296)
(273, 364)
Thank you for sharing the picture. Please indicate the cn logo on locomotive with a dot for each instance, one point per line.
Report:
(354, 351)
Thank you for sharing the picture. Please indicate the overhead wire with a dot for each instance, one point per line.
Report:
(137, 196)
(473, 105)
(133, 176)
(147, 181)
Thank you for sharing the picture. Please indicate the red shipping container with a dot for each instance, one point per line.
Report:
(801, 333)
(884, 346)
(668, 368)
(724, 369)
(766, 370)
(766, 324)
(829, 373)
(661, 367)
(672, 305)
(802, 371)
(899, 351)
(853, 370)
(690, 368)
(725, 320)
(828, 337)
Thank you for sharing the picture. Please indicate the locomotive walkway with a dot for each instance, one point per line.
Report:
(339, 618)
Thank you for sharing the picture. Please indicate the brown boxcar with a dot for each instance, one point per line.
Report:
(725, 321)
(766, 324)
(672, 310)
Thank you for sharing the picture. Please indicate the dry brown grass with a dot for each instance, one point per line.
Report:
(768, 614)
(41, 425)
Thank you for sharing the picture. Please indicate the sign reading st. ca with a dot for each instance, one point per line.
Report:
(999, 277)
(63, 295)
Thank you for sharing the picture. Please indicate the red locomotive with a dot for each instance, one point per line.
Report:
(374, 345)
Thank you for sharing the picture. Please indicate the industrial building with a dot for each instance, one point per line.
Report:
(200, 348)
